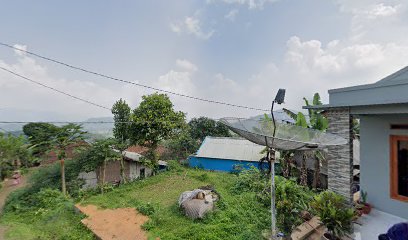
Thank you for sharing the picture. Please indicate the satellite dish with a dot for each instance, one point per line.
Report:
(287, 136)
(282, 136)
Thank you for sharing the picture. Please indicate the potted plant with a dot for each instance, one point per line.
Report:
(359, 209)
(366, 206)
(334, 214)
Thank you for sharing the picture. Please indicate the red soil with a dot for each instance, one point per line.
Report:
(118, 224)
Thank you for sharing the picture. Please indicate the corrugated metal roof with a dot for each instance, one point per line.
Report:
(136, 157)
(230, 148)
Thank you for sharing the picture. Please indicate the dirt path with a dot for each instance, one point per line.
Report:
(114, 224)
(8, 187)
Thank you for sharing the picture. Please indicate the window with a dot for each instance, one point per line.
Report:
(399, 167)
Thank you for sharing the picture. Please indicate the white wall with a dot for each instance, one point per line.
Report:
(134, 170)
(375, 161)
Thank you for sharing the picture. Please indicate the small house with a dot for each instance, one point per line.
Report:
(133, 168)
(226, 154)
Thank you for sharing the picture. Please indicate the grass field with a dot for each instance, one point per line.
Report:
(238, 216)
(44, 213)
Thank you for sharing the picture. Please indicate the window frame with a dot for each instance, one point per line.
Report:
(394, 167)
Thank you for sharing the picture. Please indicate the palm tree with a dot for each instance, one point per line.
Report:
(316, 121)
(67, 136)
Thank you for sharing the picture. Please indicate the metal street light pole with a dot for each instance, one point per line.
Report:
(280, 96)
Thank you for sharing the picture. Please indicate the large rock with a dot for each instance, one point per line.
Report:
(197, 203)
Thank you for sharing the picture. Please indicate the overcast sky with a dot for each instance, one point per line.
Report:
(237, 51)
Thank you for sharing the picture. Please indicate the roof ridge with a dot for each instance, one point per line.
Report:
(393, 75)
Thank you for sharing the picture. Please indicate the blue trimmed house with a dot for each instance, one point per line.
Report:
(224, 154)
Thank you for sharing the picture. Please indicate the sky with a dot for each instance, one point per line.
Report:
(235, 51)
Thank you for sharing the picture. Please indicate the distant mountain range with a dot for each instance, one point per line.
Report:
(94, 126)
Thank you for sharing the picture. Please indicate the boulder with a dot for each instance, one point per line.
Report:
(197, 203)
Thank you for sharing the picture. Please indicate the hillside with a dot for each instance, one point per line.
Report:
(239, 216)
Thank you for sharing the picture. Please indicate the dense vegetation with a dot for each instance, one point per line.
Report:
(46, 214)
(41, 211)
(239, 216)
(14, 153)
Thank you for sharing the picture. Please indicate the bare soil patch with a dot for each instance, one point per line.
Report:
(114, 224)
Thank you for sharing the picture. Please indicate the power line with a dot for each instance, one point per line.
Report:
(129, 82)
(54, 89)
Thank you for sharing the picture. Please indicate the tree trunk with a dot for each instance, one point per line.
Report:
(285, 170)
(316, 177)
(303, 171)
(63, 185)
(122, 169)
(103, 177)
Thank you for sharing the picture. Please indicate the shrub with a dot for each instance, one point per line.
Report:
(47, 214)
(334, 213)
(291, 198)
(202, 177)
(147, 209)
(173, 165)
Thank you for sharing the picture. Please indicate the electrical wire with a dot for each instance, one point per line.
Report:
(54, 89)
(129, 82)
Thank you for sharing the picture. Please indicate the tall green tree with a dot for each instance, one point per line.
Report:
(39, 136)
(316, 121)
(14, 151)
(66, 136)
(154, 120)
(203, 126)
(121, 131)
(181, 145)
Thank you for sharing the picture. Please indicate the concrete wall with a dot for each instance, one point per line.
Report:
(375, 161)
(224, 165)
(112, 173)
(90, 179)
(135, 169)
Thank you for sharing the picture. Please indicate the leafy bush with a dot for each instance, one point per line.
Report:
(202, 177)
(334, 213)
(47, 214)
(291, 198)
(250, 180)
(147, 209)
(173, 165)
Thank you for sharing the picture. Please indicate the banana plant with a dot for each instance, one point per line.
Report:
(316, 121)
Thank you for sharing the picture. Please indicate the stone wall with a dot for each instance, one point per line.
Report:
(340, 158)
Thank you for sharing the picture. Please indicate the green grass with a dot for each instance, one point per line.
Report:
(238, 216)
(47, 215)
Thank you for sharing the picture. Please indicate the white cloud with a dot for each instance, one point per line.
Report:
(22, 47)
(309, 67)
(18, 94)
(231, 15)
(381, 10)
(370, 19)
(186, 65)
(176, 27)
(252, 4)
(179, 82)
(191, 25)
